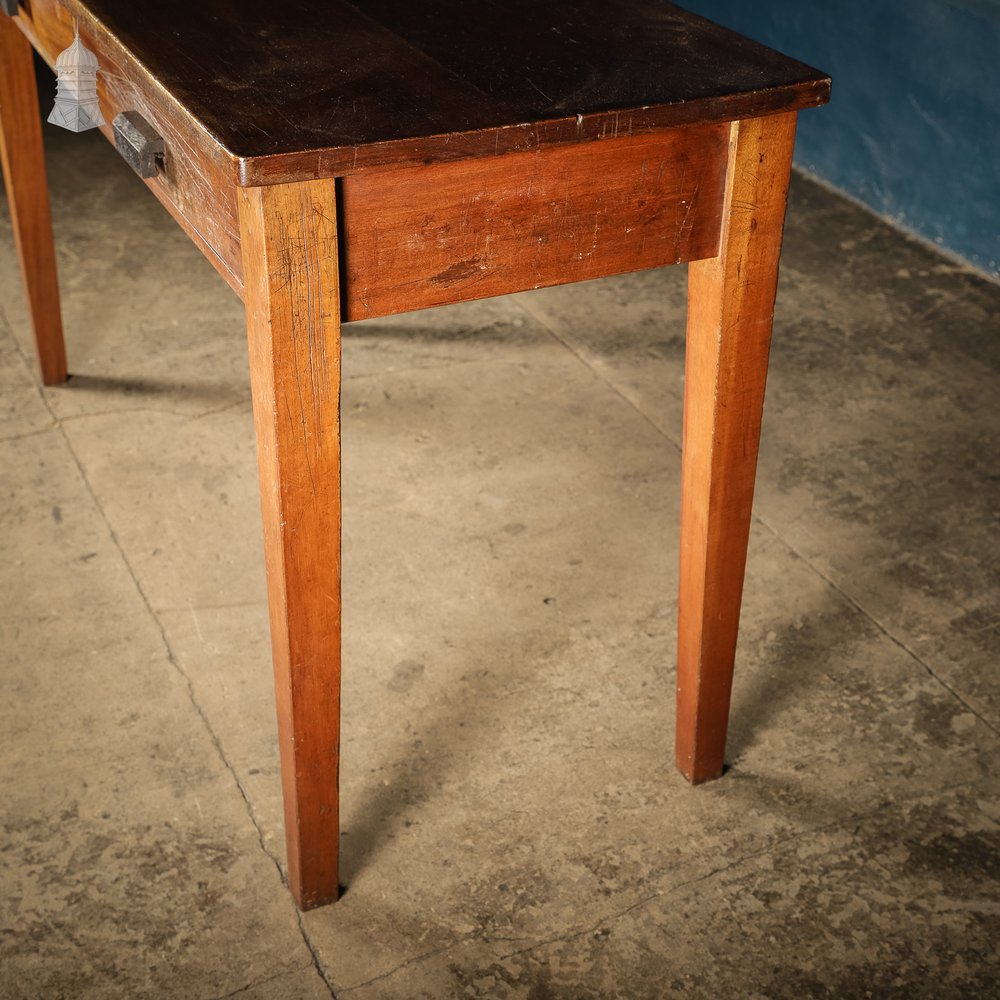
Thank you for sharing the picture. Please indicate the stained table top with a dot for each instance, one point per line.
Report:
(291, 87)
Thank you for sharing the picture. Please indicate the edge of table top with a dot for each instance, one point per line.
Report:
(337, 161)
(305, 155)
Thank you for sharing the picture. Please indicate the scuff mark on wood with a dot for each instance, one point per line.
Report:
(459, 271)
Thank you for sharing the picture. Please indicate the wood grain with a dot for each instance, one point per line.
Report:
(23, 161)
(196, 185)
(296, 90)
(730, 310)
(450, 232)
(289, 235)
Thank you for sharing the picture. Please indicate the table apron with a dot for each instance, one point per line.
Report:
(194, 183)
(449, 232)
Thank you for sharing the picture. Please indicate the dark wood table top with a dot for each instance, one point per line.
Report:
(326, 86)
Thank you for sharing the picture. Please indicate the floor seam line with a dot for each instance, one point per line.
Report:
(28, 434)
(414, 960)
(567, 344)
(776, 847)
(314, 954)
(260, 982)
(199, 710)
(885, 630)
(189, 685)
(171, 655)
(779, 846)
(663, 893)
(791, 548)
(446, 366)
(127, 411)
(189, 607)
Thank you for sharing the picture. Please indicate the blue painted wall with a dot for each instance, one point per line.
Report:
(913, 129)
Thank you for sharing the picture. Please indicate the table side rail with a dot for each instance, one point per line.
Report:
(449, 232)
(193, 186)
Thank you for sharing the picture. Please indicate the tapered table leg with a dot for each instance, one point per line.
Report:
(291, 291)
(24, 177)
(730, 309)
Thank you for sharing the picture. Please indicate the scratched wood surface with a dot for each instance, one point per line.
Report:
(23, 162)
(730, 309)
(196, 184)
(448, 232)
(296, 90)
(293, 324)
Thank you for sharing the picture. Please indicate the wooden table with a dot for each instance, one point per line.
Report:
(337, 161)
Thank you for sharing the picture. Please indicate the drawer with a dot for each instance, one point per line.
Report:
(194, 181)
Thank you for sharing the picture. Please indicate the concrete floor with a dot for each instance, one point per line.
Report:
(513, 824)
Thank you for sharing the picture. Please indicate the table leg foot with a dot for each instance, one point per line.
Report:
(730, 309)
(292, 296)
(23, 162)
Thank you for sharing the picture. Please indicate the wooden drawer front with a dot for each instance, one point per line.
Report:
(448, 232)
(193, 184)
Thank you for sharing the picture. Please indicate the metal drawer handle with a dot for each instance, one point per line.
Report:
(138, 142)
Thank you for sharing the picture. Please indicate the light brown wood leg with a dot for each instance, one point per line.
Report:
(292, 296)
(28, 196)
(730, 308)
